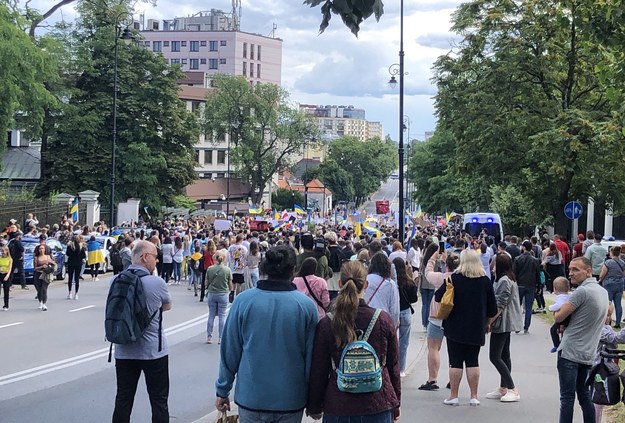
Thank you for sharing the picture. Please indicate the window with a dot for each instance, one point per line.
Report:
(175, 46)
(245, 50)
(194, 46)
(221, 175)
(183, 61)
(244, 68)
(221, 156)
(258, 53)
(146, 44)
(194, 63)
(212, 63)
(195, 105)
(202, 43)
(175, 61)
(208, 156)
(202, 61)
(258, 70)
(251, 70)
(156, 46)
(165, 43)
(222, 61)
(222, 43)
(251, 51)
(197, 156)
(212, 46)
(184, 44)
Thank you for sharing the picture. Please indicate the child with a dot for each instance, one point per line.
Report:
(610, 339)
(561, 288)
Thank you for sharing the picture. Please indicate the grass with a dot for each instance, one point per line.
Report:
(612, 414)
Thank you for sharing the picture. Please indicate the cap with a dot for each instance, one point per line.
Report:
(580, 236)
(13, 221)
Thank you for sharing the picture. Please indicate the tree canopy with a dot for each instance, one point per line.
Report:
(266, 132)
(354, 169)
(353, 13)
(524, 114)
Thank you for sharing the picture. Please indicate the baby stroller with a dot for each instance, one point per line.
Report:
(604, 380)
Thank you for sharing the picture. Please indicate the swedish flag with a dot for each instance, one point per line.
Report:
(74, 210)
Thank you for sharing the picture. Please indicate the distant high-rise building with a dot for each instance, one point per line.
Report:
(337, 121)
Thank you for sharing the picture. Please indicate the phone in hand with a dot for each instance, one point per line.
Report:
(441, 247)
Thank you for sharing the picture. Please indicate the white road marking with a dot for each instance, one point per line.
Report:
(11, 324)
(83, 358)
(81, 308)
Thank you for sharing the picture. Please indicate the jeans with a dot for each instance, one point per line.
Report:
(254, 277)
(176, 269)
(499, 355)
(156, 374)
(383, 417)
(73, 276)
(249, 416)
(217, 304)
(405, 321)
(526, 296)
(6, 287)
(18, 273)
(426, 297)
(615, 292)
(572, 378)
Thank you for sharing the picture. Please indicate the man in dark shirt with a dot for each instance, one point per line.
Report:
(16, 249)
(527, 271)
(513, 249)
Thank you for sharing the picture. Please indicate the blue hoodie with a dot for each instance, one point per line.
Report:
(267, 343)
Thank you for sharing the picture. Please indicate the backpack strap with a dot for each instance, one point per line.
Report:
(313, 294)
(374, 319)
(376, 291)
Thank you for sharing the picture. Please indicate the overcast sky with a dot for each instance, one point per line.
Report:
(335, 67)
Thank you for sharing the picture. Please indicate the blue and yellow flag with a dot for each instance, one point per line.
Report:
(254, 210)
(298, 209)
(74, 210)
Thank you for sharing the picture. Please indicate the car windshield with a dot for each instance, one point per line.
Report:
(29, 247)
(474, 229)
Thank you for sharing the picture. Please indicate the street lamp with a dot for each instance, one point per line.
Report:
(126, 37)
(394, 70)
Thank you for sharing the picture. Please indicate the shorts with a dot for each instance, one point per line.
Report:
(435, 331)
(460, 353)
(238, 278)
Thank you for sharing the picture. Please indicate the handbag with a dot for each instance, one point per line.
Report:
(312, 294)
(223, 417)
(447, 302)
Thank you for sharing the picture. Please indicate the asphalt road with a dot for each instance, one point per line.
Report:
(388, 191)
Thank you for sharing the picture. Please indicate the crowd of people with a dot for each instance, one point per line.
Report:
(312, 293)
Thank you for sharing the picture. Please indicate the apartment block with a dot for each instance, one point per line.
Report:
(337, 121)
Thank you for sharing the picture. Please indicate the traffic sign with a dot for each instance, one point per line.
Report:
(573, 210)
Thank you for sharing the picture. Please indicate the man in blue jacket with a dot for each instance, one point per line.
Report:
(267, 344)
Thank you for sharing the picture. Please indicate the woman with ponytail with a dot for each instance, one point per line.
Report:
(349, 316)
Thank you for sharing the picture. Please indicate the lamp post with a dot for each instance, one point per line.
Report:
(126, 37)
(398, 69)
(406, 128)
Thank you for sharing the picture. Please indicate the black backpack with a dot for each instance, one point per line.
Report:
(604, 382)
(116, 258)
(127, 316)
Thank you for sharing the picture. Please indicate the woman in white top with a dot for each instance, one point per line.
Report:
(168, 258)
(177, 258)
(252, 262)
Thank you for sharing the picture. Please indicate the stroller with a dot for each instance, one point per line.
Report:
(604, 380)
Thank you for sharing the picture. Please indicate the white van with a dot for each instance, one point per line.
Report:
(475, 223)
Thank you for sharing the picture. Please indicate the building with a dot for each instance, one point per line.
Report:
(337, 121)
(21, 162)
(208, 42)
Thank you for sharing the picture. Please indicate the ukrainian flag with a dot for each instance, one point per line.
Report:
(298, 209)
(74, 210)
(254, 210)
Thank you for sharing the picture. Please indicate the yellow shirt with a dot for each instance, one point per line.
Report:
(5, 262)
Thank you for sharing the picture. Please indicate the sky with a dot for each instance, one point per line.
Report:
(336, 68)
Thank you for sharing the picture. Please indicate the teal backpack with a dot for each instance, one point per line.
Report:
(359, 370)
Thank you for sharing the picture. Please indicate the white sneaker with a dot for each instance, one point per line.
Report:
(5, 308)
(40, 305)
(96, 279)
(402, 374)
(75, 296)
(69, 296)
(511, 396)
(44, 308)
(496, 394)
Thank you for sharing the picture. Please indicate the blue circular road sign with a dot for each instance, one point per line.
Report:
(573, 210)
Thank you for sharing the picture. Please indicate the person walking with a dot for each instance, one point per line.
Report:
(313, 286)
(177, 258)
(6, 266)
(76, 256)
(95, 257)
(218, 286)
(596, 253)
(408, 295)
(508, 319)
(16, 249)
(45, 267)
(611, 278)
(351, 315)
(588, 307)
(143, 355)
(474, 304)
(271, 362)
(381, 291)
(527, 271)
(168, 259)
(426, 287)
(253, 261)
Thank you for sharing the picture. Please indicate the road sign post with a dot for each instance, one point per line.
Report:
(573, 210)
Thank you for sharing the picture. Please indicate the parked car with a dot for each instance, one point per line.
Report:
(58, 252)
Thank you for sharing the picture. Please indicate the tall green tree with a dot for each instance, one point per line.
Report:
(354, 169)
(156, 134)
(24, 66)
(266, 132)
(525, 106)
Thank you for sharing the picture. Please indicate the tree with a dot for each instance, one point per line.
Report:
(156, 134)
(353, 13)
(285, 198)
(526, 107)
(265, 131)
(355, 169)
(23, 66)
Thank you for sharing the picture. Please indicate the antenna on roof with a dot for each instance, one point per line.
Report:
(236, 15)
(272, 34)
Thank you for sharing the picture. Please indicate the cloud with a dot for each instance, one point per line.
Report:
(438, 40)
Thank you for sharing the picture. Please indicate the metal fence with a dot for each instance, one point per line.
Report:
(46, 212)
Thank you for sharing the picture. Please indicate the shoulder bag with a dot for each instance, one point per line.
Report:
(312, 294)
(447, 302)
